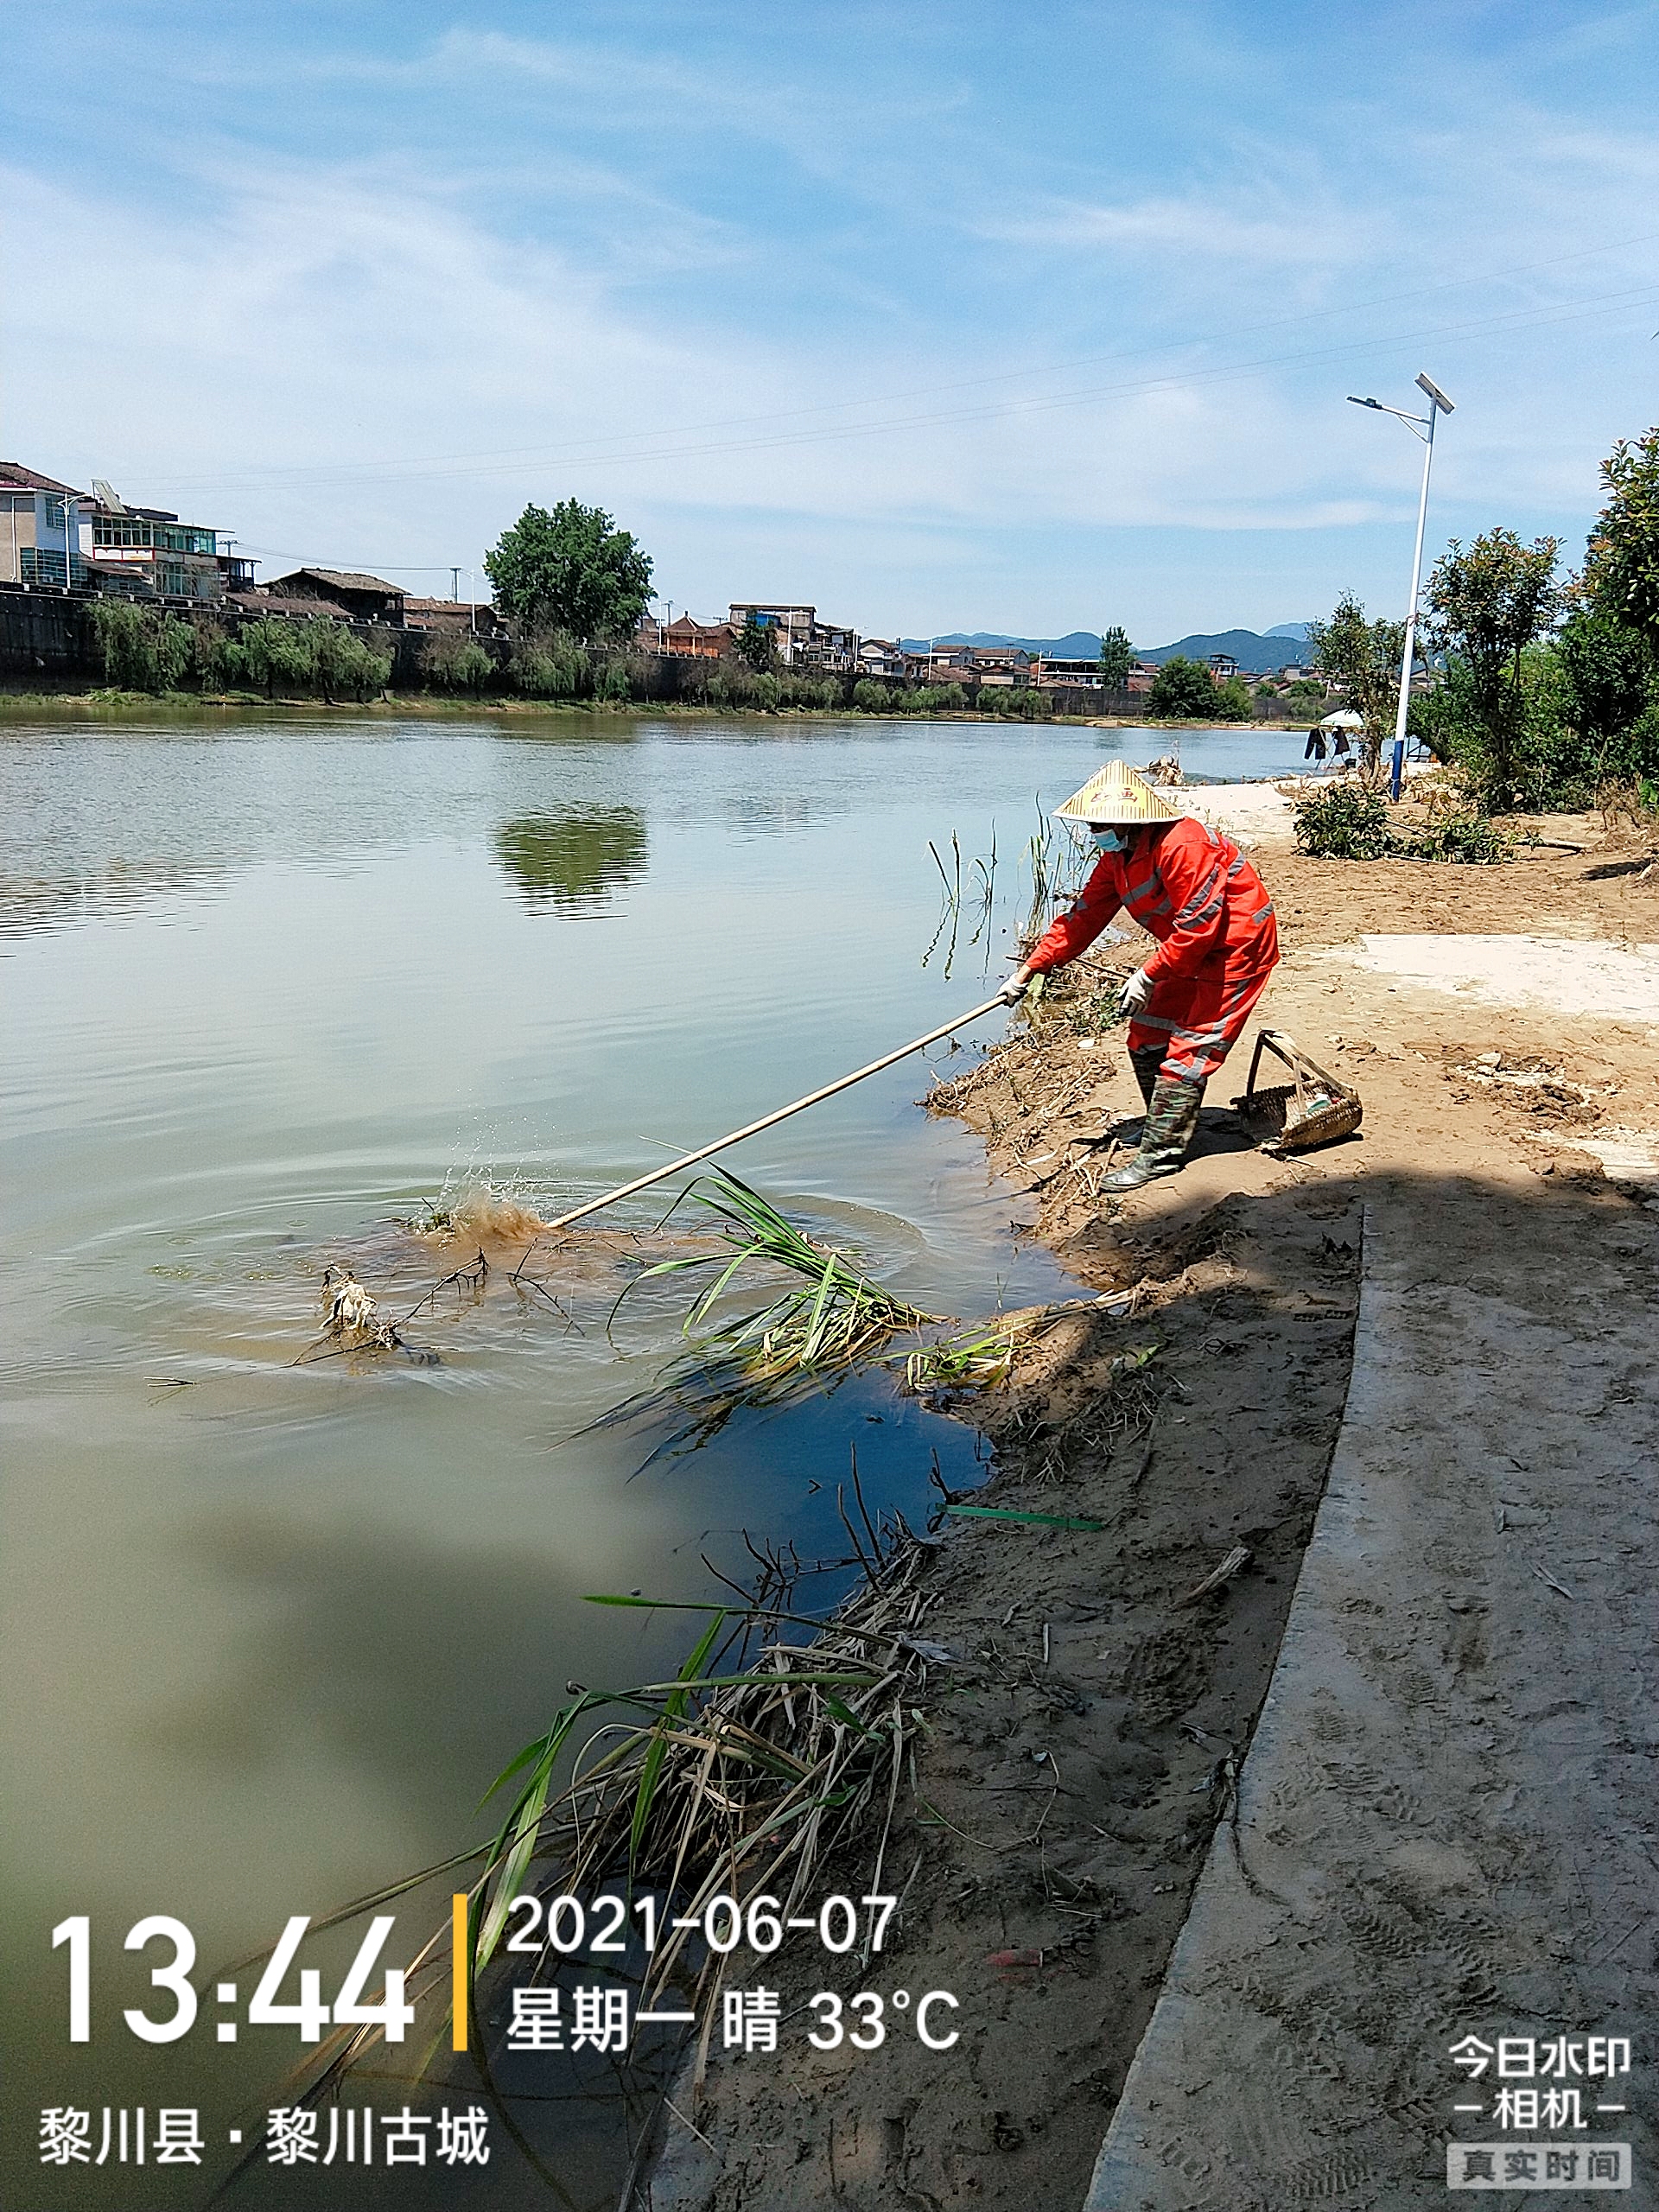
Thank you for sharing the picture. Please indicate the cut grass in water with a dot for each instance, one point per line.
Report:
(744, 1779)
(752, 1780)
(730, 1781)
(830, 1320)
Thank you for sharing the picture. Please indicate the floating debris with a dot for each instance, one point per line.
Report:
(354, 1320)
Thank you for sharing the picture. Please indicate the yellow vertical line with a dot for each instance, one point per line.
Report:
(458, 1971)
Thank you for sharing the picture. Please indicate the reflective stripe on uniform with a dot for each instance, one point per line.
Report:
(1208, 891)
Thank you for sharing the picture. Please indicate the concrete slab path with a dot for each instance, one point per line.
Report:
(1447, 1823)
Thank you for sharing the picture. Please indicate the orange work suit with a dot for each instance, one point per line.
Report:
(1195, 892)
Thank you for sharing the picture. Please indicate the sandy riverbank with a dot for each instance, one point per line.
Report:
(1086, 1733)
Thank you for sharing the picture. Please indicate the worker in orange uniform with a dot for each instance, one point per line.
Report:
(1196, 892)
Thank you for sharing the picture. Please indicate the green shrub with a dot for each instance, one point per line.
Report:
(803, 691)
(1583, 711)
(1470, 839)
(1348, 822)
(939, 699)
(175, 647)
(1014, 702)
(1344, 823)
(536, 674)
(549, 665)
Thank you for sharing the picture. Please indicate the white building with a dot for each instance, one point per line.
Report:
(41, 529)
(802, 640)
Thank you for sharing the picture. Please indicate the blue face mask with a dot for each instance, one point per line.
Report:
(1106, 840)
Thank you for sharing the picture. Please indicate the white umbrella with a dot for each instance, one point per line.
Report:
(1344, 718)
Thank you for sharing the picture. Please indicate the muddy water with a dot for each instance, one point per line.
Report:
(268, 989)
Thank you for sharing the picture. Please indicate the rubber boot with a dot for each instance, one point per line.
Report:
(1171, 1116)
(1146, 1062)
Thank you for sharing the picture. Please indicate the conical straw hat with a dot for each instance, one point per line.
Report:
(1117, 794)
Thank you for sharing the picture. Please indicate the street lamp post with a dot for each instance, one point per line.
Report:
(1420, 426)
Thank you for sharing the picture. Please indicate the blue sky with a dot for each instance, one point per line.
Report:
(961, 316)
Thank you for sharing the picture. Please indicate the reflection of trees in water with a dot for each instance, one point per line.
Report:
(573, 860)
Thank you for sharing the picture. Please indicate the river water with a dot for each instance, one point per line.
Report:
(268, 984)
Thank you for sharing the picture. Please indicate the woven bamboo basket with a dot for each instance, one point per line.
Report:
(1312, 1110)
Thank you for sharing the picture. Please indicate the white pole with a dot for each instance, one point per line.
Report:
(68, 525)
(767, 1121)
(1399, 767)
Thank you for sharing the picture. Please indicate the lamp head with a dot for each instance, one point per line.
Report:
(1426, 384)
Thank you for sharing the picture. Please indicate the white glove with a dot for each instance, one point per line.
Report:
(1014, 988)
(1137, 992)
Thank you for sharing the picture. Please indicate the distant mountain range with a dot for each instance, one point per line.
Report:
(1258, 653)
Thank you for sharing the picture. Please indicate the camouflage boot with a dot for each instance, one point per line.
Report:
(1171, 1116)
(1145, 1062)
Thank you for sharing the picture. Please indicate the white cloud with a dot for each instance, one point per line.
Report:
(376, 361)
(1267, 233)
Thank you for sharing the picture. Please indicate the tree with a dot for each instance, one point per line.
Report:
(1362, 659)
(1607, 674)
(757, 644)
(342, 662)
(457, 661)
(144, 648)
(277, 650)
(1486, 606)
(553, 667)
(1185, 690)
(1233, 703)
(1116, 659)
(570, 569)
(1622, 571)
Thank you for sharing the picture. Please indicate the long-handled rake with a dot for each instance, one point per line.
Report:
(753, 1128)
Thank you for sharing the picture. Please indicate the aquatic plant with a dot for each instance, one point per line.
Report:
(831, 1319)
(1058, 866)
(735, 1779)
